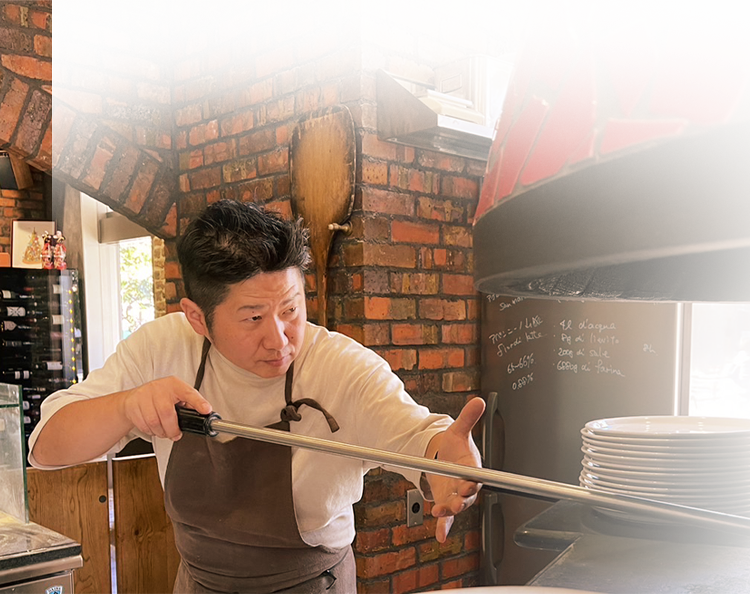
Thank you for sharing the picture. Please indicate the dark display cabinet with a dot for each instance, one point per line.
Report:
(41, 337)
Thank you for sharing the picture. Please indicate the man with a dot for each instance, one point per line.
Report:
(251, 516)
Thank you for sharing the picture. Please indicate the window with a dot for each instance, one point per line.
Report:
(720, 360)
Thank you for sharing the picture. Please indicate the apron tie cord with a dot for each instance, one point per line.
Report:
(290, 412)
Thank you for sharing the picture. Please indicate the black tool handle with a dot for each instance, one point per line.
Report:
(191, 421)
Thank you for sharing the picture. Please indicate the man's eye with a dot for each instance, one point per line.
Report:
(255, 319)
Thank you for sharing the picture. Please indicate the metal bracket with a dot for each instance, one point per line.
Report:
(414, 508)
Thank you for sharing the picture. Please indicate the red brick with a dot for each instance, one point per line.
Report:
(171, 270)
(403, 534)
(400, 359)
(351, 330)
(460, 187)
(43, 45)
(205, 178)
(416, 18)
(458, 333)
(454, 567)
(399, 256)
(12, 13)
(104, 152)
(10, 108)
(190, 114)
(40, 20)
(416, 283)
(273, 61)
(376, 516)
(415, 579)
(472, 540)
(457, 236)
(63, 119)
(28, 66)
(377, 334)
(410, 232)
(241, 169)
(413, 334)
(442, 309)
(440, 161)
(236, 124)
(385, 202)
(382, 586)
(141, 187)
(374, 173)
(203, 133)
(43, 159)
(370, 541)
(460, 381)
(276, 111)
(458, 284)
(154, 93)
(125, 166)
(439, 210)
(31, 127)
(257, 141)
(81, 100)
(372, 146)
(261, 190)
(219, 152)
(274, 162)
(385, 563)
(387, 308)
(441, 358)
(432, 550)
(116, 85)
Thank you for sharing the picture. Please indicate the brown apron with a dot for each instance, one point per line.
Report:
(233, 513)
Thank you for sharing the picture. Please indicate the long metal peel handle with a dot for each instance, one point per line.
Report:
(212, 424)
(191, 421)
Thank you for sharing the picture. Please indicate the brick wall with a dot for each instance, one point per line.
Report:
(220, 86)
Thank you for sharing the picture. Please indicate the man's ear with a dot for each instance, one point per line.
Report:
(194, 315)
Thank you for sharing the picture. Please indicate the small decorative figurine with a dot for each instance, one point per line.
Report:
(47, 251)
(60, 251)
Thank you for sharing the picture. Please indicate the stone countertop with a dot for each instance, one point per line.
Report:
(617, 555)
(22, 544)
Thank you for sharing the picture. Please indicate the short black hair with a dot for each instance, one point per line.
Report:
(231, 242)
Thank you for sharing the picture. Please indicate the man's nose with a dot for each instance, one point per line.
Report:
(275, 338)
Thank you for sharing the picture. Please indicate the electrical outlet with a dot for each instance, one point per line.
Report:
(414, 508)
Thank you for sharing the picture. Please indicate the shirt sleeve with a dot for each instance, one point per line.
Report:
(121, 371)
(380, 413)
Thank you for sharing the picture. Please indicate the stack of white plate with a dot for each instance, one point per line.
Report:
(695, 461)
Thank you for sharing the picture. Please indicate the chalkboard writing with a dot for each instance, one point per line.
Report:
(579, 345)
(556, 365)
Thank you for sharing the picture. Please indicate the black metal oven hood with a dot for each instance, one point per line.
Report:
(620, 166)
(667, 223)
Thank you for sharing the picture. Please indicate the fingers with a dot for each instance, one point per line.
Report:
(150, 408)
(443, 528)
(469, 416)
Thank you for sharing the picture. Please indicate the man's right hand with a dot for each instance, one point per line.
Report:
(150, 407)
(86, 429)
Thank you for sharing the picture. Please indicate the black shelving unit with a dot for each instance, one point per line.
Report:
(41, 335)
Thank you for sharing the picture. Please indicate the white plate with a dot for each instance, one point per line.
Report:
(671, 473)
(715, 503)
(741, 456)
(739, 498)
(670, 445)
(693, 487)
(678, 441)
(631, 517)
(670, 426)
(636, 462)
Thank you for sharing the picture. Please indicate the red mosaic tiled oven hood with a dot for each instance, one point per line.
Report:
(620, 169)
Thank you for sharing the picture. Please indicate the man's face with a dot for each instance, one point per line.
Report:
(260, 325)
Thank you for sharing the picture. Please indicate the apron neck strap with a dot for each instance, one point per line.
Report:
(291, 411)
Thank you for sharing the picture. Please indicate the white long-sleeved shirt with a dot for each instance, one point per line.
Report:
(350, 381)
